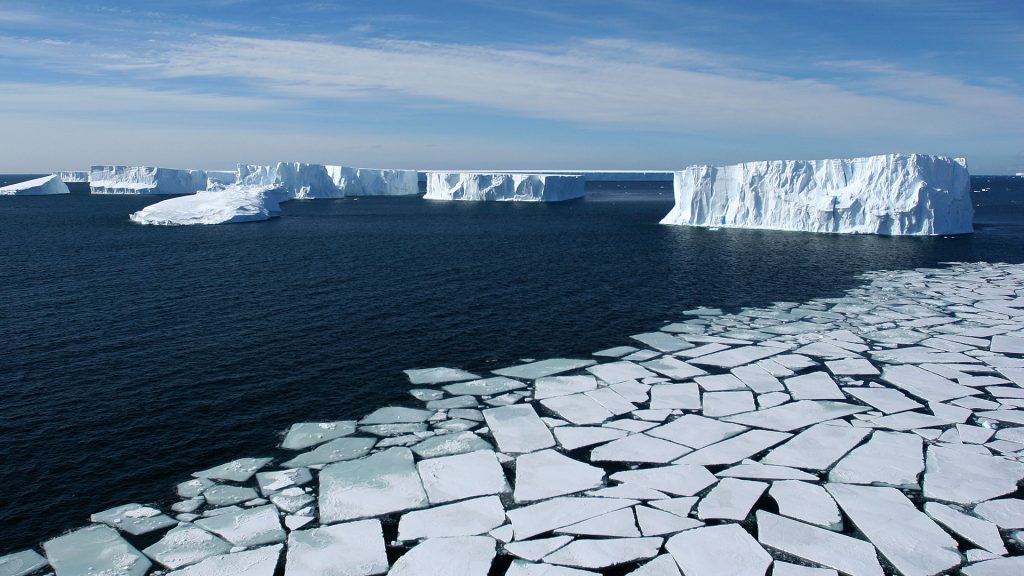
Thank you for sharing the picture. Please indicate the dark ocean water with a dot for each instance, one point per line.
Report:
(134, 355)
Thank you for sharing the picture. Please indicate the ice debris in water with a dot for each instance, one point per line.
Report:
(884, 428)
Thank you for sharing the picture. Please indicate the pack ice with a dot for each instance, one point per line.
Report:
(893, 194)
(236, 203)
(38, 187)
(145, 180)
(503, 187)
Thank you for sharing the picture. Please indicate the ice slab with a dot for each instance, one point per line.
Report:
(619, 523)
(975, 530)
(696, 431)
(734, 449)
(662, 341)
(886, 400)
(246, 527)
(675, 397)
(848, 555)
(484, 387)
(615, 372)
(655, 522)
(730, 499)
(966, 478)
(737, 356)
(758, 471)
(186, 544)
(542, 368)
(904, 535)
(145, 180)
(450, 444)
(1007, 513)
(95, 550)
(924, 384)
(438, 375)
(817, 447)
(136, 519)
(518, 429)
(240, 470)
(46, 185)
(757, 379)
(552, 386)
(806, 502)
(578, 409)
(334, 451)
(663, 565)
(396, 415)
(256, 562)
(549, 473)
(225, 495)
(638, 448)
(796, 414)
(476, 186)
(306, 434)
(573, 437)
(382, 483)
(536, 549)
(21, 563)
(462, 476)
(605, 552)
(523, 568)
(465, 518)
(813, 386)
(718, 550)
(679, 479)
(351, 549)
(529, 521)
(996, 567)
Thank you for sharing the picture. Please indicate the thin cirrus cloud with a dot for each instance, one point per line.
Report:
(619, 83)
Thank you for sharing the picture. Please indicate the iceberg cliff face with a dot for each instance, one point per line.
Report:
(74, 176)
(894, 194)
(503, 187)
(145, 180)
(40, 186)
(222, 177)
(228, 205)
(297, 179)
(374, 182)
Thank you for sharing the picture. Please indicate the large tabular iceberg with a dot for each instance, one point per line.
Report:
(145, 180)
(374, 182)
(74, 176)
(222, 177)
(297, 179)
(235, 203)
(894, 194)
(40, 186)
(503, 187)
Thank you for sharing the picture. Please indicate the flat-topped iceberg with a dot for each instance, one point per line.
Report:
(296, 179)
(893, 194)
(222, 177)
(374, 181)
(145, 180)
(503, 187)
(38, 187)
(223, 206)
(74, 176)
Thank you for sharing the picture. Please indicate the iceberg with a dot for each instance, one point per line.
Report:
(74, 176)
(296, 179)
(229, 205)
(222, 177)
(893, 194)
(503, 187)
(38, 187)
(374, 182)
(145, 180)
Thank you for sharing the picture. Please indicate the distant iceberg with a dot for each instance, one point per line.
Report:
(374, 182)
(74, 176)
(145, 180)
(894, 194)
(40, 186)
(296, 179)
(503, 187)
(235, 203)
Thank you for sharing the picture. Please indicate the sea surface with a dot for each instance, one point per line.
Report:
(133, 356)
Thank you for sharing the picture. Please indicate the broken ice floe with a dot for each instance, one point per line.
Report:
(878, 432)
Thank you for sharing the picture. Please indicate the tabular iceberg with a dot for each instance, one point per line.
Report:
(893, 194)
(222, 177)
(503, 187)
(74, 176)
(40, 186)
(235, 203)
(297, 179)
(374, 182)
(145, 180)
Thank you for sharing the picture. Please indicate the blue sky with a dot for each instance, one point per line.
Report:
(529, 84)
